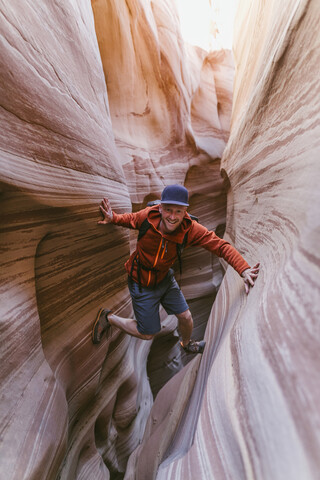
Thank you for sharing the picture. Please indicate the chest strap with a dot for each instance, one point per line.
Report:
(139, 266)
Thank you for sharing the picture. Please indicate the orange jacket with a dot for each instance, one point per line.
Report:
(157, 252)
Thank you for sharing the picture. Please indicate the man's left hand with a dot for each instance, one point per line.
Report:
(249, 276)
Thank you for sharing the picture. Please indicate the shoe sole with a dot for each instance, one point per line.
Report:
(94, 326)
(201, 349)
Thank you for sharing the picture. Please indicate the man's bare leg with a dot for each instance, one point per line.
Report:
(105, 319)
(185, 326)
(127, 325)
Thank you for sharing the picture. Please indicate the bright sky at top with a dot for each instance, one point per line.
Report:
(207, 23)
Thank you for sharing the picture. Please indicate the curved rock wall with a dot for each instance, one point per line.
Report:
(157, 88)
(58, 159)
(254, 407)
(74, 129)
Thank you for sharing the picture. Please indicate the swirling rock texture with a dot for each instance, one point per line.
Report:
(96, 100)
(180, 139)
(253, 410)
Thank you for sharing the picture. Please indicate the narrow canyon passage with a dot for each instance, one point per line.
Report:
(106, 99)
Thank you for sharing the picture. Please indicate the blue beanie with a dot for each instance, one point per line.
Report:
(175, 194)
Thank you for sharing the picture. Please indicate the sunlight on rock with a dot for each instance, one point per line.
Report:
(207, 23)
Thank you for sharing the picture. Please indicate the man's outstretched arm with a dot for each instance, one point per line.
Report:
(249, 276)
(207, 239)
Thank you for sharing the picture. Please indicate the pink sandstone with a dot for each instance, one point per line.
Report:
(107, 100)
(254, 407)
(80, 120)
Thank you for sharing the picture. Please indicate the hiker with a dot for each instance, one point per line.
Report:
(163, 230)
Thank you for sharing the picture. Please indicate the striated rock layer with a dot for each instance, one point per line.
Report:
(249, 408)
(170, 103)
(77, 126)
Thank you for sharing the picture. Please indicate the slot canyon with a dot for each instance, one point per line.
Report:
(106, 99)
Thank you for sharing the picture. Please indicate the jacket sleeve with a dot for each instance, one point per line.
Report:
(202, 237)
(130, 220)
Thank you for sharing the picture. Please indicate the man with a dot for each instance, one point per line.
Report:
(150, 277)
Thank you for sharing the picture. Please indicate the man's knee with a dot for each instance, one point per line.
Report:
(184, 316)
(145, 336)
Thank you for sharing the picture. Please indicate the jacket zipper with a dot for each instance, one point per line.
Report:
(163, 244)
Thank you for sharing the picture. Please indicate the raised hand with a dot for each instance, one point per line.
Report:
(106, 211)
(249, 276)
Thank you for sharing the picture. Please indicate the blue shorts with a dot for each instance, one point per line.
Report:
(147, 302)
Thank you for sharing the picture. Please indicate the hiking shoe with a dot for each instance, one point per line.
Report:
(101, 325)
(194, 347)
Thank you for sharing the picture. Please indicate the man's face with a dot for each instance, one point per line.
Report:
(172, 216)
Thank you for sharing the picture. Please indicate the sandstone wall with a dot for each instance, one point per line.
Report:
(77, 126)
(254, 409)
(157, 87)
